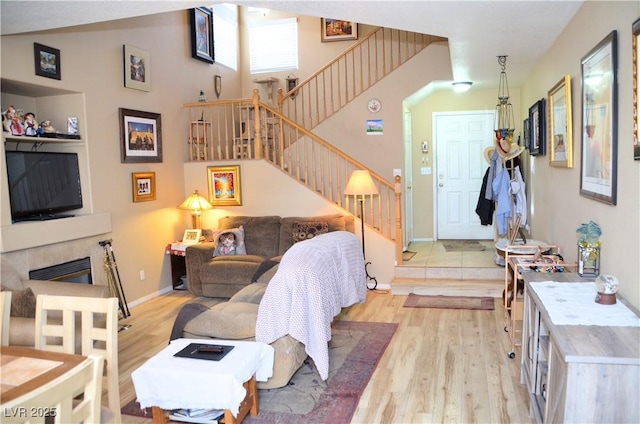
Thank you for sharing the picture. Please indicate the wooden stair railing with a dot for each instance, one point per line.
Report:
(350, 74)
(249, 129)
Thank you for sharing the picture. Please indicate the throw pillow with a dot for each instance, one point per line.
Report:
(23, 303)
(238, 247)
(308, 230)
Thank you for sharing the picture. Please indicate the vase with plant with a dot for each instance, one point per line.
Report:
(589, 248)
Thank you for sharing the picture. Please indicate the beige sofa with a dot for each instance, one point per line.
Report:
(265, 237)
(23, 300)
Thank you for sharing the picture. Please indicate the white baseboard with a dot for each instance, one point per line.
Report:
(150, 296)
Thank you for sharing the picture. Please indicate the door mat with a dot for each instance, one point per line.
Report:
(407, 255)
(354, 352)
(463, 246)
(449, 302)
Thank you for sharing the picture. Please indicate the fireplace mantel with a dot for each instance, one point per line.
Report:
(27, 235)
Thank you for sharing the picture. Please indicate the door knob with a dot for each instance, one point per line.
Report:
(440, 185)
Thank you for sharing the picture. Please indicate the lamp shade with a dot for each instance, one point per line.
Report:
(195, 202)
(360, 184)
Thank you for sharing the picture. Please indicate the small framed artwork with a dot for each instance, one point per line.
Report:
(636, 89)
(560, 137)
(47, 61)
(224, 185)
(599, 165)
(375, 127)
(143, 186)
(140, 136)
(191, 236)
(537, 128)
(201, 19)
(136, 68)
(337, 30)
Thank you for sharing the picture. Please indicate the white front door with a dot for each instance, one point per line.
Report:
(461, 138)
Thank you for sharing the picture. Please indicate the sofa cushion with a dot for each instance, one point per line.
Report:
(228, 320)
(335, 222)
(251, 294)
(260, 233)
(23, 303)
(307, 230)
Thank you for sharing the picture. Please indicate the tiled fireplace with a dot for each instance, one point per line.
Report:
(24, 261)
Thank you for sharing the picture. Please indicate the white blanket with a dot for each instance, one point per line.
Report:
(315, 280)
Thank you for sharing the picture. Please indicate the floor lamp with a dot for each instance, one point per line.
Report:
(196, 203)
(360, 185)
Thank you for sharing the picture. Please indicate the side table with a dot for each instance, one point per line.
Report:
(166, 382)
(178, 266)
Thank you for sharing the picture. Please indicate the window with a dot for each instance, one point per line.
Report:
(273, 45)
(225, 34)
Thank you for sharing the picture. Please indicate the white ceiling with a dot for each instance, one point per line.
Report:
(478, 30)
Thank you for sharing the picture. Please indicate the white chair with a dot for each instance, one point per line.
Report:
(60, 336)
(5, 312)
(59, 396)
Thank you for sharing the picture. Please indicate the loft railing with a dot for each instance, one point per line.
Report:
(350, 74)
(249, 129)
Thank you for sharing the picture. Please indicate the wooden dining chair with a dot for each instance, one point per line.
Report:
(57, 401)
(57, 335)
(5, 312)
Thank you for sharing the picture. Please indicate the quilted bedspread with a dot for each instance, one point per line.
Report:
(315, 280)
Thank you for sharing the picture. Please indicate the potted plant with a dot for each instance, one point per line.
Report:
(589, 248)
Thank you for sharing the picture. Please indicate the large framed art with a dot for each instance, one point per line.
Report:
(560, 137)
(599, 165)
(140, 136)
(201, 19)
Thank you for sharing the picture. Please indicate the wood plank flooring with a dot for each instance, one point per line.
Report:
(444, 366)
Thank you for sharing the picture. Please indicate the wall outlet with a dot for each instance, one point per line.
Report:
(425, 170)
(142, 275)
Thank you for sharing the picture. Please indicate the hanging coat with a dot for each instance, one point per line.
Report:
(485, 207)
(501, 194)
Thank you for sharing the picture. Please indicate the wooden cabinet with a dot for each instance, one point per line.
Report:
(578, 373)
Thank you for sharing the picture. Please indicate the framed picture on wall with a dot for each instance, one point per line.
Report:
(560, 137)
(47, 61)
(201, 19)
(338, 30)
(136, 68)
(636, 89)
(224, 185)
(537, 129)
(143, 186)
(599, 163)
(140, 136)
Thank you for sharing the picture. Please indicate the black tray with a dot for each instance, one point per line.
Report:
(191, 351)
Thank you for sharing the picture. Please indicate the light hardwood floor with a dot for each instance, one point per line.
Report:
(444, 366)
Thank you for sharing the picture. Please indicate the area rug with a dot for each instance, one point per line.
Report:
(354, 352)
(407, 255)
(449, 302)
(463, 246)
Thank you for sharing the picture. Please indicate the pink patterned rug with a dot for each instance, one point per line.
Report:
(354, 352)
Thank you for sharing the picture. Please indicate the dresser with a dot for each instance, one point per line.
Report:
(580, 359)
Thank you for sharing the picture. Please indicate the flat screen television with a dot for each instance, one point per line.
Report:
(43, 185)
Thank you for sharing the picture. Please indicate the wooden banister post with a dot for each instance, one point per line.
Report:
(257, 141)
(399, 242)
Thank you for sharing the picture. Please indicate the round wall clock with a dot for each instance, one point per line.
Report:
(374, 105)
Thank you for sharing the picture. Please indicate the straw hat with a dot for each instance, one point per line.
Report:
(508, 150)
(488, 153)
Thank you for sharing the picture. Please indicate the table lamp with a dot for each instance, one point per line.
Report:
(360, 185)
(196, 203)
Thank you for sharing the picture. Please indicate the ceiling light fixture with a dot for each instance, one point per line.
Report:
(504, 124)
(461, 86)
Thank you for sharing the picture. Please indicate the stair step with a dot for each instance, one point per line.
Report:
(448, 287)
(453, 273)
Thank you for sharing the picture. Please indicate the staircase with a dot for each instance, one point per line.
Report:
(250, 129)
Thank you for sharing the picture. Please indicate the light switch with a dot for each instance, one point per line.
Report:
(425, 170)
(397, 172)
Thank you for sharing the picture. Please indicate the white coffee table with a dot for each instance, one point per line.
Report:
(166, 382)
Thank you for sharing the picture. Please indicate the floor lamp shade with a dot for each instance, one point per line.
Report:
(360, 184)
(196, 203)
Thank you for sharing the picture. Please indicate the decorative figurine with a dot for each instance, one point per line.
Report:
(30, 124)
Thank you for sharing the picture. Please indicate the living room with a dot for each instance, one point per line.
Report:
(92, 66)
